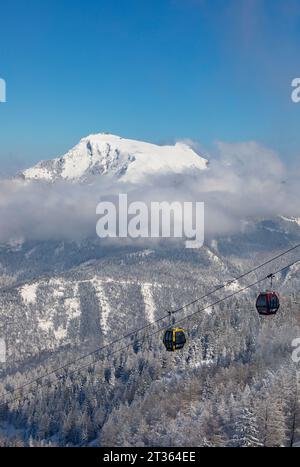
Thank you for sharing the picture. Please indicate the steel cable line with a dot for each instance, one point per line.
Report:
(237, 278)
(191, 314)
(37, 380)
(217, 289)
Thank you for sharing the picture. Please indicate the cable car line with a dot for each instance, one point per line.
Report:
(126, 336)
(229, 282)
(238, 278)
(217, 289)
(144, 327)
(237, 292)
(191, 315)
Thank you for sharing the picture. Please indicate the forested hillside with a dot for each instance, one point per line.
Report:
(234, 384)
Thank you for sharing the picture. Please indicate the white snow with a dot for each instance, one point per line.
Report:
(47, 325)
(60, 333)
(60, 292)
(72, 304)
(104, 303)
(291, 272)
(16, 244)
(38, 172)
(58, 287)
(72, 307)
(233, 286)
(28, 293)
(214, 257)
(296, 220)
(31, 252)
(149, 302)
(44, 324)
(130, 160)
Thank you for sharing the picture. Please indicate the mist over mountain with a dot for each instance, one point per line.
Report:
(57, 199)
(65, 293)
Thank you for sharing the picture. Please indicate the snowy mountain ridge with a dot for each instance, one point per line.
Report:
(126, 159)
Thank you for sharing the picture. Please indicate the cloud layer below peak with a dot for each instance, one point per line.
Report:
(244, 180)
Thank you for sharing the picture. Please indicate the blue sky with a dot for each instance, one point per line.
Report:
(157, 70)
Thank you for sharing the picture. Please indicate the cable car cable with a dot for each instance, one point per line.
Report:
(238, 278)
(181, 308)
(36, 380)
(136, 331)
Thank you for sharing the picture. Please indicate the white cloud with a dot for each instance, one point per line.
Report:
(243, 180)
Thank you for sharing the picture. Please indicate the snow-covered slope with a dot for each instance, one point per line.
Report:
(109, 154)
(95, 302)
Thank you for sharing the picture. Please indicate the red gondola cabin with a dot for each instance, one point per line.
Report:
(267, 303)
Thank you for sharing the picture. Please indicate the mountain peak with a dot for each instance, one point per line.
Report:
(108, 154)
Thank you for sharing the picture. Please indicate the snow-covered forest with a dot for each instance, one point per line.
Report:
(234, 384)
(149, 226)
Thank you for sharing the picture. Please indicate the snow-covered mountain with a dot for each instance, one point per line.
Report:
(127, 159)
(97, 300)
